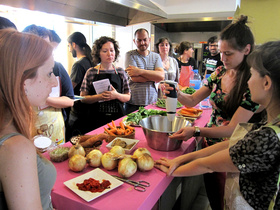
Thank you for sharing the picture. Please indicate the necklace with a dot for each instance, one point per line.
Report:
(165, 63)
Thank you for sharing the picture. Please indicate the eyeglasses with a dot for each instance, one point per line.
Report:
(213, 45)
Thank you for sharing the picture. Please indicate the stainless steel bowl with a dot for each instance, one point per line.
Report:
(157, 130)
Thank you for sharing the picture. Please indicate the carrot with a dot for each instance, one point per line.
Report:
(109, 132)
(128, 131)
(120, 132)
(122, 125)
(129, 127)
(114, 130)
(113, 124)
(110, 126)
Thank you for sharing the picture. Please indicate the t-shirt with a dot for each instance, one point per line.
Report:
(217, 98)
(257, 157)
(172, 73)
(65, 81)
(143, 93)
(78, 72)
(212, 62)
(191, 62)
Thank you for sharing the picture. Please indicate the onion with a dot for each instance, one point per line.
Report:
(117, 150)
(94, 158)
(76, 150)
(140, 151)
(77, 163)
(145, 162)
(127, 167)
(108, 161)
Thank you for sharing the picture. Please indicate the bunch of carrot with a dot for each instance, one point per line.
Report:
(122, 129)
(189, 111)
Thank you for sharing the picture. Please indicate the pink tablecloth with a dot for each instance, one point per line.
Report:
(123, 197)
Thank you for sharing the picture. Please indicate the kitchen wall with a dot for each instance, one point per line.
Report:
(265, 17)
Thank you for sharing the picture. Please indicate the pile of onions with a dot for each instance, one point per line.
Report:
(77, 163)
(76, 150)
(145, 162)
(94, 158)
(127, 167)
(109, 161)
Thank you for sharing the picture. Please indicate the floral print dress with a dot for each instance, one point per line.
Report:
(217, 98)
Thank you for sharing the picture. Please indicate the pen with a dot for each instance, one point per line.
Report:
(109, 87)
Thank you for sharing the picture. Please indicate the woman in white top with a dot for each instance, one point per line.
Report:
(170, 65)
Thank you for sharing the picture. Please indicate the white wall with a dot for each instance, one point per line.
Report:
(125, 36)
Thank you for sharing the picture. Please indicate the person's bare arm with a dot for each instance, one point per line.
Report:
(218, 162)
(157, 75)
(19, 174)
(176, 162)
(60, 102)
(105, 96)
(241, 115)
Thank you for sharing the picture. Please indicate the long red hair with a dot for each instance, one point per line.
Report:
(20, 57)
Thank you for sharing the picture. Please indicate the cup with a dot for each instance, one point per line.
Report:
(171, 100)
(42, 143)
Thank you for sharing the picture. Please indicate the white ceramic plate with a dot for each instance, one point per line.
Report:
(96, 174)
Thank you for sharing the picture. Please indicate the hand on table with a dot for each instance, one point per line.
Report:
(167, 165)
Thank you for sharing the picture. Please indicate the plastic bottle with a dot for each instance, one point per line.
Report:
(205, 104)
(195, 80)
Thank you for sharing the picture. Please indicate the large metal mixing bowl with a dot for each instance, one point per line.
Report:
(157, 130)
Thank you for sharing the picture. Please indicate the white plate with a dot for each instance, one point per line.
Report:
(96, 174)
(127, 140)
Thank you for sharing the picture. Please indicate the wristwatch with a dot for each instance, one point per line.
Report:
(196, 131)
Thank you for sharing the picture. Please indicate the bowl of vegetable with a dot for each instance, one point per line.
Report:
(121, 131)
(157, 130)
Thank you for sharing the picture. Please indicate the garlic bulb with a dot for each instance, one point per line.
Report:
(76, 149)
(108, 161)
(145, 162)
(94, 158)
(77, 163)
(127, 167)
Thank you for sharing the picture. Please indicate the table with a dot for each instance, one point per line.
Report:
(123, 197)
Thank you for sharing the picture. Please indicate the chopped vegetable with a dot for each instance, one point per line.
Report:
(189, 90)
(119, 130)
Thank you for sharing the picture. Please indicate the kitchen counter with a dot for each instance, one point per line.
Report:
(123, 197)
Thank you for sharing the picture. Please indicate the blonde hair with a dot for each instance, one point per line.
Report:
(20, 57)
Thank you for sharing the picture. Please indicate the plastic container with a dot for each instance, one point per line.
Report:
(205, 104)
(195, 80)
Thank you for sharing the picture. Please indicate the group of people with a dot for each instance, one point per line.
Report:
(240, 160)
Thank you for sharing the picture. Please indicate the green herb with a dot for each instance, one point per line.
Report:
(136, 117)
(189, 90)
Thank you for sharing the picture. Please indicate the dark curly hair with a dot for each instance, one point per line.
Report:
(97, 45)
